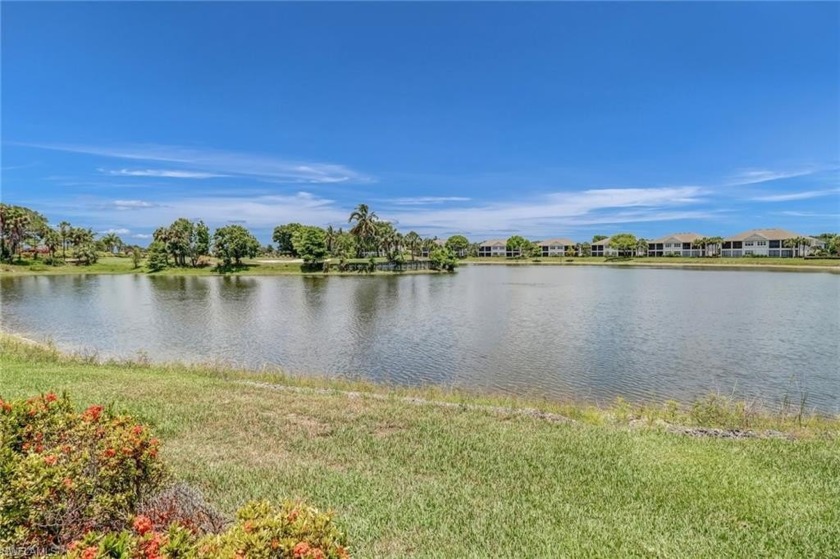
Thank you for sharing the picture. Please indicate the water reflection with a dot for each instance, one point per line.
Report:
(583, 332)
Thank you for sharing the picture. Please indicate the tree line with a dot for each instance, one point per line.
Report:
(188, 243)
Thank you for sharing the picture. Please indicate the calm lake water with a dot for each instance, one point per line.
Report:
(586, 333)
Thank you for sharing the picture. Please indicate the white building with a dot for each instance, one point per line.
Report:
(678, 244)
(495, 247)
(768, 242)
(602, 248)
(556, 247)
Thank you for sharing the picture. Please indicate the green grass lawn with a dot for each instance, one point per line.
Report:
(410, 480)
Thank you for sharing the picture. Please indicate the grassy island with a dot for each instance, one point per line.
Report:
(435, 474)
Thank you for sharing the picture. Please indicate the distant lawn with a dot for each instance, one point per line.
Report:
(746, 261)
(262, 266)
(410, 480)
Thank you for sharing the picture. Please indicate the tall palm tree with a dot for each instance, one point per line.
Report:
(701, 244)
(330, 236)
(412, 242)
(716, 243)
(64, 229)
(364, 228)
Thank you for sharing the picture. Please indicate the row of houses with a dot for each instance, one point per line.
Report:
(755, 242)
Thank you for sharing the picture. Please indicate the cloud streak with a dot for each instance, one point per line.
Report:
(791, 196)
(215, 161)
(160, 173)
(425, 200)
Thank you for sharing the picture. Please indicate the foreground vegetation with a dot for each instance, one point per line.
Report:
(411, 478)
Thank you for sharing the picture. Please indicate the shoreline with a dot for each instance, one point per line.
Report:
(266, 271)
(273, 376)
(358, 450)
(745, 266)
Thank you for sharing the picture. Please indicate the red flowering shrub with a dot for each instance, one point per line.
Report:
(293, 531)
(64, 473)
(87, 485)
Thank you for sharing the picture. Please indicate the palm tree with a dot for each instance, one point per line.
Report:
(716, 243)
(365, 226)
(701, 244)
(330, 236)
(795, 243)
(412, 242)
(64, 230)
(111, 241)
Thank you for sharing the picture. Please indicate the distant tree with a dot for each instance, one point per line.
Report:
(84, 245)
(624, 243)
(412, 242)
(387, 240)
(458, 244)
(18, 225)
(585, 249)
(136, 257)
(51, 240)
(158, 257)
(533, 250)
(330, 235)
(597, 238)
(443, 259)
(519, 246)
(798, 244)
(364, 227)
(111, 242)
(571, 250)
(716, 243)
(232, 243)
(64, 229)
(700, 244)
(310, 243)
(85, 253)
(344, 246)
(283, 237)
(186, 241)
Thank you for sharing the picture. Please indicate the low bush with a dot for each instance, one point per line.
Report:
(65, 473)
(293, 531)
(90, 485)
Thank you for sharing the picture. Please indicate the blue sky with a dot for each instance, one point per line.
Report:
(545, 119)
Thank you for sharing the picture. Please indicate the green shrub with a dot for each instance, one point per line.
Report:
(64, 473)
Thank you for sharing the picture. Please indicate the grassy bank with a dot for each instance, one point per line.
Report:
(124, 265)
(258, 267)
(412, 478)
(712, 263)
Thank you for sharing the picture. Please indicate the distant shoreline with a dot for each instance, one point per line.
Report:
(257, 268)
(661, 263)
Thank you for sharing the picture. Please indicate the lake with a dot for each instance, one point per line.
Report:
(582, 333)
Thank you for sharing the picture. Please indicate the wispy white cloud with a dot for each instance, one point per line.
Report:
(424, 200)
(141, 236)
(545, 214)
(755, 176)
(118, 231)
(790, 196)
(224, 162)
(132, 204)
(162, 173)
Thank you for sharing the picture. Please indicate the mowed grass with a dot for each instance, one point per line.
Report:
(410, 480)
